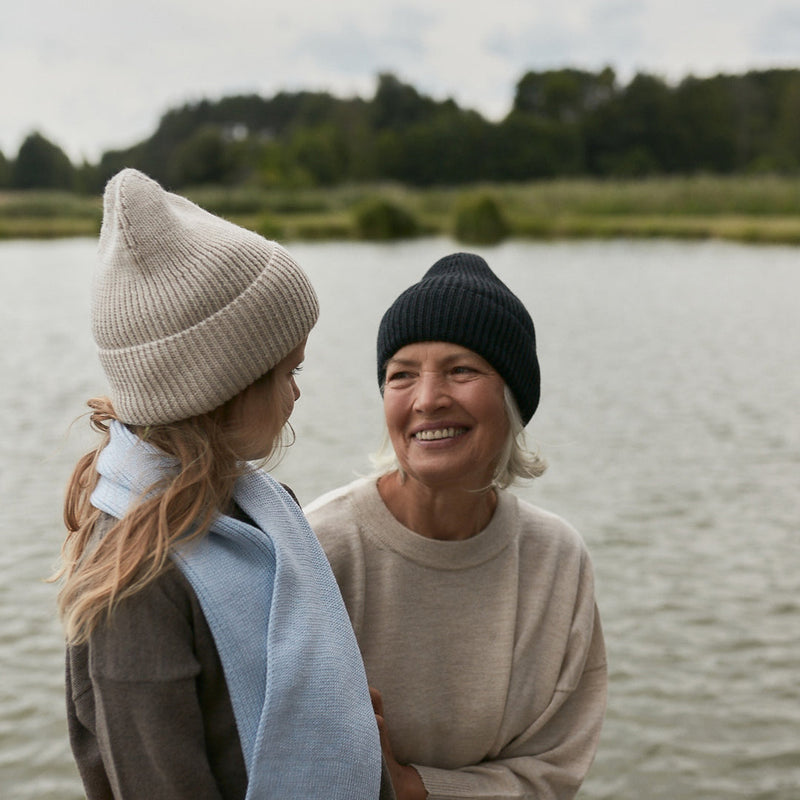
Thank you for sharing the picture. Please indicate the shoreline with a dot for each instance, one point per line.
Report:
(747, 209)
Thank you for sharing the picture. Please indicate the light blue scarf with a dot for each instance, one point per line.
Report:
(291, 661)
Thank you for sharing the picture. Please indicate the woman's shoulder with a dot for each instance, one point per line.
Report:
(341, 518)
(539, 526)
(337, 504)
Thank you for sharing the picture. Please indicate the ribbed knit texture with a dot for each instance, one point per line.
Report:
(188, 309)
(461, 301)
(488, 650)
(291, 662)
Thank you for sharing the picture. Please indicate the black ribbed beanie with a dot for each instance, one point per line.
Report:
(460, 300)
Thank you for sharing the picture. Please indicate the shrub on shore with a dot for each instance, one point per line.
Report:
(480, 220)
(380, 219)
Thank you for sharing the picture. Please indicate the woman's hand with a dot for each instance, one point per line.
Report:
(405, 779)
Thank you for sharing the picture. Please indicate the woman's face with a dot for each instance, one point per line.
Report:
(445, 414)
(259, 413)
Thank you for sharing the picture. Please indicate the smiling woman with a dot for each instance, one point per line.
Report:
(474, 611)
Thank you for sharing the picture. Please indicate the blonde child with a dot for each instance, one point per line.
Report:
(209, 654)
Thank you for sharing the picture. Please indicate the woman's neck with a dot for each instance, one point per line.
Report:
(449, 513)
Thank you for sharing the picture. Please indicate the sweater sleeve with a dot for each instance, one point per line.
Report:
(136, 719)
(548, 760)
(554, 744)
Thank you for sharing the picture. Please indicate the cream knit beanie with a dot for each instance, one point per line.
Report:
(187, 308)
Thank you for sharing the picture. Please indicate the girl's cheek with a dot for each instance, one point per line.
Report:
(289, 405)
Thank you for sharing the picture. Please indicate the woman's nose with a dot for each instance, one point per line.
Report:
(431, 392)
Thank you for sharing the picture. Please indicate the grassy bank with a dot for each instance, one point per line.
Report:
(752, 209)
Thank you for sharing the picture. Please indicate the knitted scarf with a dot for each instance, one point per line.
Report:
(291, 661)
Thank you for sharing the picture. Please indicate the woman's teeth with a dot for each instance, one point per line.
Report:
(439, 433)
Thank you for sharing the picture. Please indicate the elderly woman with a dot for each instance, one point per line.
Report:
(474, 611)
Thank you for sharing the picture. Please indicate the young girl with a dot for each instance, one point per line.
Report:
(209, 654)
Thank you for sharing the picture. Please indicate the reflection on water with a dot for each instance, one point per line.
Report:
(669, 418)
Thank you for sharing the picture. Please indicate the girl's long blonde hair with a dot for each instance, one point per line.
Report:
(97, 572)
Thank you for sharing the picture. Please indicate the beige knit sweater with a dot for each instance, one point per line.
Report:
(488, 651)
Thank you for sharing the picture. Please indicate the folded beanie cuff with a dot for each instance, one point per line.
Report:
(198, 369)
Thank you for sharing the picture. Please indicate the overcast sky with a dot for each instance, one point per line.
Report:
(93, 75)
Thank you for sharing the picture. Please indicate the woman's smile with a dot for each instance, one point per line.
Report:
(445, 414)
(439, 433)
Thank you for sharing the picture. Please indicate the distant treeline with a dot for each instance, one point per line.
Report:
(563, 123)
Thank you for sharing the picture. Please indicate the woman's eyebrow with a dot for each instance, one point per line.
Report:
(412, 362)
(404, 362)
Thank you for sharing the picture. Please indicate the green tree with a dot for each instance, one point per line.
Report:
(202, 158)
(40, 164)
(88, 179)
(564, 122)
(759, 101)
(397, 105)
(5, 171)
(525, 146)
(320, 152)
(704, 121)
(634, 133)
(786, 141)
(112, 161)
(453, 147)
(564, 95)
(275, 168)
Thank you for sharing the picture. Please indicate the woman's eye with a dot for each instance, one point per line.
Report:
(398, 376)
(463, 370)
(297, 370)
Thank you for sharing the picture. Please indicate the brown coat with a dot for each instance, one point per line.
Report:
(148, 708)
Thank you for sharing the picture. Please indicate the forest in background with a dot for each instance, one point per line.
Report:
(565, 123)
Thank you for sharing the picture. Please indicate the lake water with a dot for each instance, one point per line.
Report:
(669, 417)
